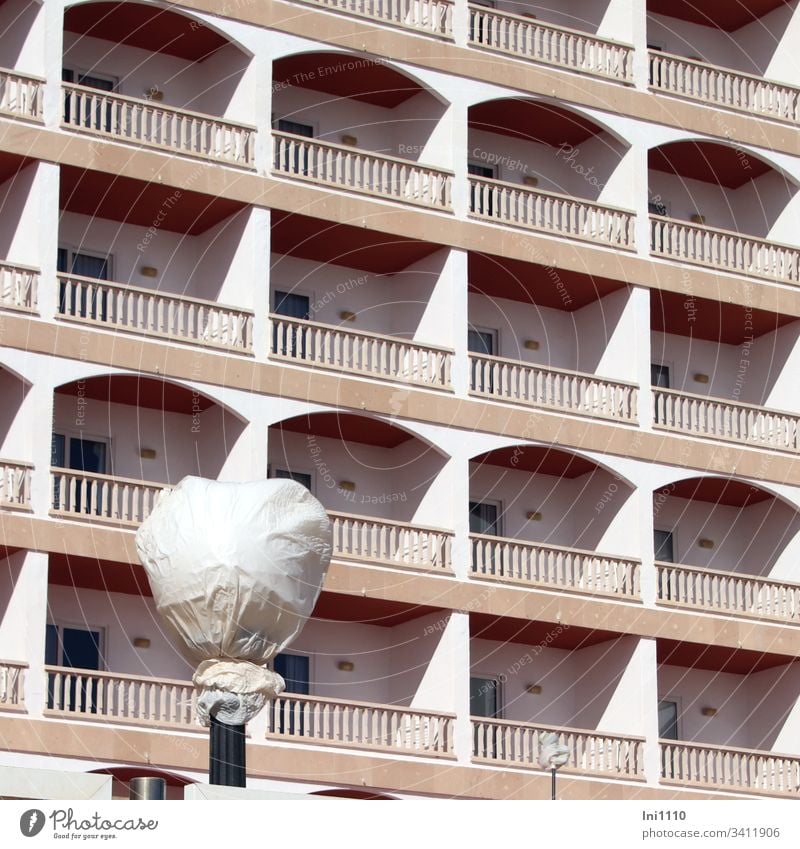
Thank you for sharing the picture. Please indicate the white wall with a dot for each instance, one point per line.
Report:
(609, 18)
(23, 199)
(13, 413)
(21, 37)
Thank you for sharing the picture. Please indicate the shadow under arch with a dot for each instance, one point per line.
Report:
(348, 793)
(122, 776)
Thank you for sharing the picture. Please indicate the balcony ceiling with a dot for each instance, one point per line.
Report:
(515, 280)
(348, 428)
(345, 75)
(92, 574)
(728, 15)
(130, 201)
(149, 28)
(708, 162)
(716, 321)
(729, 492)
(346, 245)
(338, 607)
(539, 459)
(505, 629)
(11, 164)
(716, 658)
(147, 392)
(532, 121)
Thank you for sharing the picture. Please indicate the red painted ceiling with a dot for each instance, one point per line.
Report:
(92, 574)
(345, 75)
(11, 165)
(726, 491)
(716, 321)
(536, 458)
(532, 121)
(507, 630)
(148, 392)
(136, 202)
(152, 29)
(343, 244)
(716, 658)
(347, 427)
(124, 774)
(529, 283)
(337, 607)
(728, 15)
(708, 162)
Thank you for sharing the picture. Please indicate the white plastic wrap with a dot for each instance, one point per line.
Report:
(552, 754)
(235, 569)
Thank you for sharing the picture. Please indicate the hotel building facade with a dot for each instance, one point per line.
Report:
(512, 287)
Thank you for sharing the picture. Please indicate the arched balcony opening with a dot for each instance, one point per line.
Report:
(727, 546)
(119, 439)
(718, 205)
(545, 167)
(550, 338)
(359, 302)
(148, 75)
(351, 793)
(147, 259)
(724, 371)
(347, 121)
(539, 516)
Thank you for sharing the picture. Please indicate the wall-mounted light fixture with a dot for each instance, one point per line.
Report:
(699, 377)
(147, 453)
(534, 516)
(148, 271)
(530, 180)
(154, 93)
(709, 711)
(347, 486)
(705, 543)
(533, 689)
(697, 218)
(345, 666)
(141, 642)
(532, 344)
(346, 315)
(350, 141)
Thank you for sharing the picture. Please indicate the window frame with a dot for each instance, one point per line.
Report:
(500, 696)
(500, 514)
(102, 630)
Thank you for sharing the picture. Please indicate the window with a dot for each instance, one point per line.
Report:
(97, 117)
(484, 701)
(295, 156)
(69, 451)
(482, 341)
(75, 648)
(663, 542)
(659, 375)
(484, 518)
(667, 730)
(295, 671)
(289, 340)
(481, 197)
(303, 478)
(91, 305)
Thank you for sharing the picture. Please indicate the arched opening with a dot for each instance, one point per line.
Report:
(122, 775)
(351, 793)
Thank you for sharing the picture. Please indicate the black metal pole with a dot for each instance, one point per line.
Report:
(226, 762)
(553, 783)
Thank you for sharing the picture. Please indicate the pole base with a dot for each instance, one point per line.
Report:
(227, 754)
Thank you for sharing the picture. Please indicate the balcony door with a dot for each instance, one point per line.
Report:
(482, 341)
(75, 648)
(481, 199)
(295, 161)
(484, 518)
(86, 304)
(98, 117)
(290, 341)
(68, 451)
(295, 670)
(484, 703)
(667, 730)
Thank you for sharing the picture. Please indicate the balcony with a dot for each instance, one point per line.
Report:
(15, 484)
(356, 352)
(150, 312)
(537, 41)
(12, 685)
(329, 164)
(558, 389)
(550, 212)
(530, 564)
(717, 418)
(427, 17)
(18, 287)
(730, 593)
(727, 768)
(21, 95)
(716, 86)
(516, 744)
(360, 725)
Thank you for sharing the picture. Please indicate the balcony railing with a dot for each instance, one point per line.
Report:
(129, 699)
(590, 752)
(724, 250)
(557, 389)
(432, 17)
(359, 171)
(399, 544)
(154, 313)
(15, 484)
(371, 354)
(21, 95)
(12, 685)
(534, 209)
(167, 128)
(723, 767)
(103, 498)
(535, 565)
(19, 286)
(720, 419)
(361, 725)
(554, 45)
(711, 84)
(731, 593)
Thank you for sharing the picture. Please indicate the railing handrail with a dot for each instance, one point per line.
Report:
(25, 464)
(713, 747)
(438, 714)
(555, 548)
(738, 575)
(141, 290)
(364, 334)
(552, 369)
(120, 676)
(58, 470)
(142, 101)
(384, 157)
(700, 63)
(335, 514)
(446, 33)
(501, 13)
(769, 243)
(22, 75)
(534, 190)
(540, 726)
(679, 393)
(18, 664)
(18, 266)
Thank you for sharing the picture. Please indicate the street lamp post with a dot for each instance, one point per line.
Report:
(552, 755)
(235, 569)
